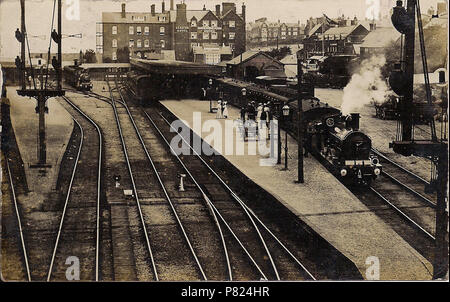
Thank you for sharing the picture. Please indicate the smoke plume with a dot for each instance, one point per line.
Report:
(366, 86)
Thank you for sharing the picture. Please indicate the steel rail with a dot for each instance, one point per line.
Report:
(402, 213)
(22, 240)
(138, 203)
(69, 190)
(208, 202)
(163, 187)
(99, 180)
(246, 208)
(400, 167)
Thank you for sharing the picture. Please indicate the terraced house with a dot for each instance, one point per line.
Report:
(201, 35)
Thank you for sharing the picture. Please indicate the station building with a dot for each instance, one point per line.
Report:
(144, 34)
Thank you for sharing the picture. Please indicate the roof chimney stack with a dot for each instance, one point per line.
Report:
(243, 12)
(123, 10)
(218, 10)
(163, 7)
(153, 9)
(171, 5)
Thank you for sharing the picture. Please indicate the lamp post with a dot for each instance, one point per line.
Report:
(279, 114)
(285, 111)
(300, 119)
(244, 94)
(210, 98)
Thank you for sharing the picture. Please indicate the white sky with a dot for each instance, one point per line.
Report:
(38, 16)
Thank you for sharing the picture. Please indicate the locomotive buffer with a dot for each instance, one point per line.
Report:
(42, 93)
(401, 81)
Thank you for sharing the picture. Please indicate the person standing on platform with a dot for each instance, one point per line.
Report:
(219, 109)
(243, 114)
(259, 111)
(225, 110)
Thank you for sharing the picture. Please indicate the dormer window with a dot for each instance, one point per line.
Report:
(205, 23)
(193, 23)
(213, 23)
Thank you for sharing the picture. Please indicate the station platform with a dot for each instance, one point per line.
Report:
(322, 202)
(25, 122)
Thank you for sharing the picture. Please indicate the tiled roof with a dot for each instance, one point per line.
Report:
(381, 37)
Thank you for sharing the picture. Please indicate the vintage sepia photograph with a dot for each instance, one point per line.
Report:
(224, 140)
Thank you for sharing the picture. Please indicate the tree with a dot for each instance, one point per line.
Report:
(89, 56)
(123, 55)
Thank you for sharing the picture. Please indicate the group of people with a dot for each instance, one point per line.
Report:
(261, 113)
(222, 110)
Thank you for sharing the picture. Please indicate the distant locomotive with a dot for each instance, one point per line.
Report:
(338, 141)
(77, 77)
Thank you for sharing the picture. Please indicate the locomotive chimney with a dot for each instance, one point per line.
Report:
(355, 121)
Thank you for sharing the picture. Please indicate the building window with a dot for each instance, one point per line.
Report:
(213, 23)
(114, 43)
(131, 43)
(214, 35)
(231, 36)
(139, 43)
(194, 45)
(139, 30)
(163, 43)
(114, 30)
(193, 23)
(205, 23)
(114, 56)
(205, 35)
(147, 43)
(232, 23)
(131, 30)
(162, 29)
(295, 33)
(146, 30)
(193, 35)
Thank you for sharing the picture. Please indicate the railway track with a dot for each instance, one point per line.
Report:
(78, 234)
(19, 223)
(248, 247)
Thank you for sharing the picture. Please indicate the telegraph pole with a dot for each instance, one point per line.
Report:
(41, 94)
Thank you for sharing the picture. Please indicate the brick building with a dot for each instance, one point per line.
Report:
(264, 32)
(178, 29)
(252, 64)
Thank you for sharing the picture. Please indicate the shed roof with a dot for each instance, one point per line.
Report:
(381, 37)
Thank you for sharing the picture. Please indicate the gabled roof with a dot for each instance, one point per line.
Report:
(314, 29)
(343, 31)
(229, 12)
(197, 14)
(248, 55)
(381, 37)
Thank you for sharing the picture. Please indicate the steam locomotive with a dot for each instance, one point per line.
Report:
(77, 77)
(337, 140)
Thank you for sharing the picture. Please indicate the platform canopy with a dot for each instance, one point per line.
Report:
(175, 67)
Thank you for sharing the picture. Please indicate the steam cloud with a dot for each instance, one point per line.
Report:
(366, 86)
